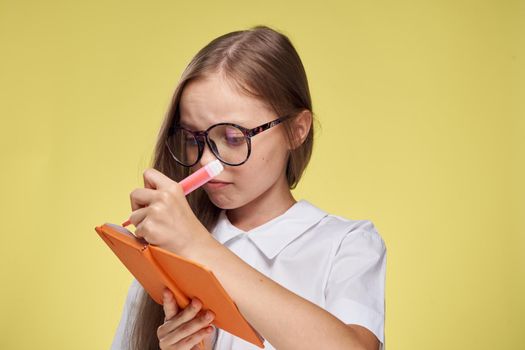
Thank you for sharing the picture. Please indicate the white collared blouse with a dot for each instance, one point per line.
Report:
(336, 263)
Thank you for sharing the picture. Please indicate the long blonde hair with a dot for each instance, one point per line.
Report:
(262, 63)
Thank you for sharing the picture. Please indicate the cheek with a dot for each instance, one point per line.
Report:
(260, 172)
(267, 161)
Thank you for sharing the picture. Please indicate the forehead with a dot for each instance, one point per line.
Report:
(213, 99)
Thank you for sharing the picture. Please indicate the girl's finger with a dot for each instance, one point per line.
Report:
(138, 215)
(184, 316)
(191, 341)
(169, 305)
(208, 339)
(141, 197)
(182, 334)
(155, 179)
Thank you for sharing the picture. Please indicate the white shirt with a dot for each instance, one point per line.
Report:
(336, 263)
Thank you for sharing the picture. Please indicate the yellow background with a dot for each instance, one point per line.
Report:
(422, 115)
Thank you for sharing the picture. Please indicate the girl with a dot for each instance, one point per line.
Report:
(303, 278)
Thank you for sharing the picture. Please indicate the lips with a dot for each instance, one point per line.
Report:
(216, 185)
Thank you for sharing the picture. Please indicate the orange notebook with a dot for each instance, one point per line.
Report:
(156, 268)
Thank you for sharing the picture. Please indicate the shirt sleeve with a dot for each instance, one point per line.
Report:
(355, 289)
(120, 340)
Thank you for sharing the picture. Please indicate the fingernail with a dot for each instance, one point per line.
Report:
(167, 295)
(195, 303)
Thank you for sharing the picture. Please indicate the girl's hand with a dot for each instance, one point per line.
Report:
(163, 216)
(184, 330)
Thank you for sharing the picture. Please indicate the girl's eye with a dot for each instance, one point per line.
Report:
(233, 137)
(190, 141)
(234, 140)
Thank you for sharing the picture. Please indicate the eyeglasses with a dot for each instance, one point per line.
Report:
(229, 142)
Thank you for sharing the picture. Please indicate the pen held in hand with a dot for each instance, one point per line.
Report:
(197, 179)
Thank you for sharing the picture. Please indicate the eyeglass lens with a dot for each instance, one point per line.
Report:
(228, 144)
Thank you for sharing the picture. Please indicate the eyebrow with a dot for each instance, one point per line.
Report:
(224, 121)
(185, 125)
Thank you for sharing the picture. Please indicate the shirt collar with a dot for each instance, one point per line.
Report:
(272, 236)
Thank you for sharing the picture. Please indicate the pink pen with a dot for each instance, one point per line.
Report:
(197, 179)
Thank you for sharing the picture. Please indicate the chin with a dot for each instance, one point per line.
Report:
(227, 203)
(222, 202)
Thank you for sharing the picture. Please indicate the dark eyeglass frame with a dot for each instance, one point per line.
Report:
(200, 135)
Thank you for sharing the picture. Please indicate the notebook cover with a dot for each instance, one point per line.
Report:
(156, 268)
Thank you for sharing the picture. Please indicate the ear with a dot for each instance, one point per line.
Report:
(301, 127)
